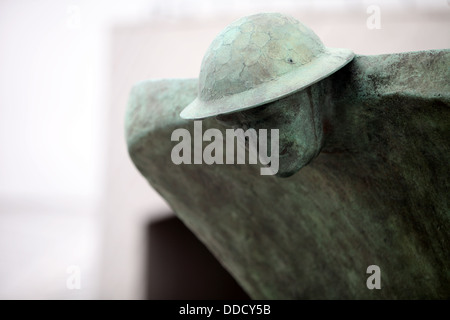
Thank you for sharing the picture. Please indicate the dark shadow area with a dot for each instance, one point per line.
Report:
(179, 266)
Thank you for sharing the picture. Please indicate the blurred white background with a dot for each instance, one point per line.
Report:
(69, 195)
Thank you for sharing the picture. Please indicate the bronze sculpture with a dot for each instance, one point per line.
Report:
(376, 193)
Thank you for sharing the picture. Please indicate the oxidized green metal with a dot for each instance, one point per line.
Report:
(376, 193)
(260, 59)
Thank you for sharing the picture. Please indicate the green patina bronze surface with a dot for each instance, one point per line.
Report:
(372, 190)
(382, 197)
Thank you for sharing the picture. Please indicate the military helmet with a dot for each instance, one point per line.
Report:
(259, 59)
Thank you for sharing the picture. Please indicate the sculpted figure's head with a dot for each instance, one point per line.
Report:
(264, 72)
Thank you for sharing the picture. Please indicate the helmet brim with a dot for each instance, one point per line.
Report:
(321, 67)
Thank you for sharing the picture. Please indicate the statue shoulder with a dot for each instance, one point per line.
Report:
(421, 74)
(156, 105)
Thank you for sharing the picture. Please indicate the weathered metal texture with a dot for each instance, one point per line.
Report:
(259, 59)
(378, 193)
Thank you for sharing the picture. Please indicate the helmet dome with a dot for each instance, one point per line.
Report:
(259, 59)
